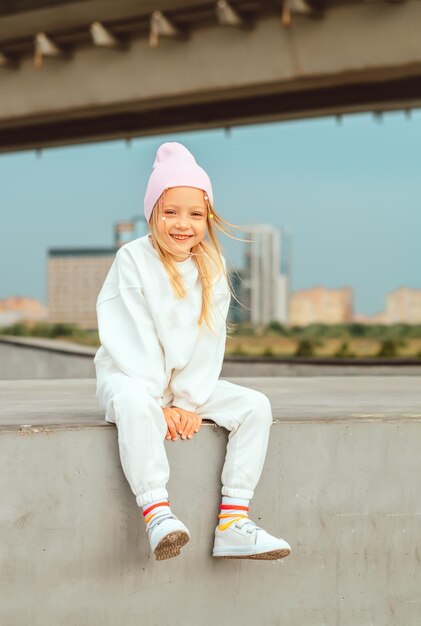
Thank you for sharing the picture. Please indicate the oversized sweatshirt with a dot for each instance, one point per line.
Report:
(151, 335)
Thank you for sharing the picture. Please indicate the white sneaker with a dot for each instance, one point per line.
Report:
(167, 534)
(243, 539)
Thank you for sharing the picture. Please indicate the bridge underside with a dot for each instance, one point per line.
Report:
(356, 57)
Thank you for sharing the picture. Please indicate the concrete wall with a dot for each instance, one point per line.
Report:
(52, 359)
(26, 361)
(343, 491)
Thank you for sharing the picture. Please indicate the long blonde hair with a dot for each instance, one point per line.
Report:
(205, 254)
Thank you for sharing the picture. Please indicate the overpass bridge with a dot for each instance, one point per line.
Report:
(77, 71)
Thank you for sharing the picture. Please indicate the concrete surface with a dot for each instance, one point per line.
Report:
(340, 483)
(73, 403)
(40, 358)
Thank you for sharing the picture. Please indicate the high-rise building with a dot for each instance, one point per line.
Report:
(239, 310)
(267, 273)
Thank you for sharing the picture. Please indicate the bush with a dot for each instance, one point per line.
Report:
(42, 330)
(50, 331)
(388, 349)
(245, 329)
(238, 351)
(296, 330)
(305, 348)
(344, 351)
(268, 352)
(65, 330)
(19, 329)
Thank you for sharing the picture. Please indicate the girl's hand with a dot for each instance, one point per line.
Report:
(190, 423)
(172, 417)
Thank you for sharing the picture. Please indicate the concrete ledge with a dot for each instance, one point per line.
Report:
(64, 403)
(342, 489)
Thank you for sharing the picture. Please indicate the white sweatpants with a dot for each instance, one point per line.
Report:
(245, 413)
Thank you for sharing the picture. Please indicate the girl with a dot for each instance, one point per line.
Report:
(162, 325)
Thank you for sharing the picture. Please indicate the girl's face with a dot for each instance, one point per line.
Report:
(185, 213)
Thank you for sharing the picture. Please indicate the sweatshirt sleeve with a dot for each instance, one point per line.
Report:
(126, 328)
(194, 384)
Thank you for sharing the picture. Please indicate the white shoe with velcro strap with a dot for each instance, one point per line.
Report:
(243, 539)
(167, 535)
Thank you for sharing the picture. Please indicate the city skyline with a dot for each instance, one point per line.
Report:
(349, 192)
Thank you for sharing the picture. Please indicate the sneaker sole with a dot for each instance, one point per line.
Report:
(264, 556)
(170, 545)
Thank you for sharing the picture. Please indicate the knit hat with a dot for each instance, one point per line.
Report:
(174, 166)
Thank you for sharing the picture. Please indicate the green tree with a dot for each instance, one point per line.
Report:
(65, 330)
(356, 329)
(277, 328)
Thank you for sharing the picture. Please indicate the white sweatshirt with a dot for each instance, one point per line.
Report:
(149, 334)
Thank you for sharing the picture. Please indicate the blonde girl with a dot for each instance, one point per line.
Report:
(162, 314)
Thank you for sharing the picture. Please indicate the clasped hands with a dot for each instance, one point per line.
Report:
(181, 422)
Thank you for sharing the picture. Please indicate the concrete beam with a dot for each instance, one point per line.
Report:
(357, 57)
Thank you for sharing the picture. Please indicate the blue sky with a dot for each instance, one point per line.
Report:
(350, 192)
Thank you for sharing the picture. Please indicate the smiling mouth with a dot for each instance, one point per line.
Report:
(181, 237)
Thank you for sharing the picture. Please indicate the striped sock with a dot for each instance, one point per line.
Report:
(232, 509)
(152, 509)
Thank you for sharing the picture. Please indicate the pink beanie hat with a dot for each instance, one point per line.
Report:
(174, 166)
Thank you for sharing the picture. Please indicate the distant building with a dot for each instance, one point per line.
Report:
(75, 276)
(403, 305)
(123, 233)
(74, 279)
(376, 318)
(321, 305)
(239, 311)
(266, 274)
(19, 309)
(129, 230)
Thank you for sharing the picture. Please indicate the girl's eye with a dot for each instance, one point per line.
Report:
(169, 212)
